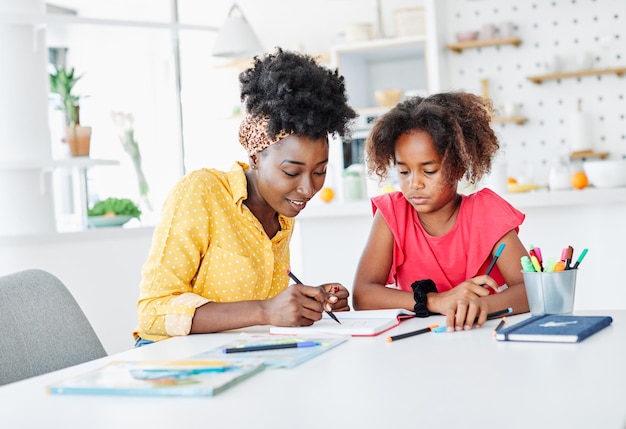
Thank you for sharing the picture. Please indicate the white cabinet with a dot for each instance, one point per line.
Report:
(396, 63)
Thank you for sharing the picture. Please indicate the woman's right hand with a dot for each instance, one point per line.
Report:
(298, 305)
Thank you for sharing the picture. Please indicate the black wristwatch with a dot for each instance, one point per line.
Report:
(421, 289)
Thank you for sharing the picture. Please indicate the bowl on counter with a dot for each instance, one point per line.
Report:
(608, 173)
(466, 36)
(387, 97)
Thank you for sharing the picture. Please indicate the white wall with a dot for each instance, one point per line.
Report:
(547, 29)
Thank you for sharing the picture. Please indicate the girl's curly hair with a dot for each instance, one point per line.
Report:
(459, 124)
(297, 94)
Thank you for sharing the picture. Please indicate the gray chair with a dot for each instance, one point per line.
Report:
(42, 327)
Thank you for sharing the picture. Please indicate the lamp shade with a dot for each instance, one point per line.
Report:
(236, 39)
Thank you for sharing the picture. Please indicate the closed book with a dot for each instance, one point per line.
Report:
(361, 323)
(554, 328)
(159, 378)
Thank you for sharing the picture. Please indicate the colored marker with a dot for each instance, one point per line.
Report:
(580, 259)
(559, 266)
(499, 313)
(527, 265)
(495, 258)
(412, 333)
(549, 265)
(536, 264)
(568, 257)
(538, 254)
(500, 325)
(277, 346)
(295, 279)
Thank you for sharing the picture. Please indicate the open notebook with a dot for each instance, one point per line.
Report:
(356, 323)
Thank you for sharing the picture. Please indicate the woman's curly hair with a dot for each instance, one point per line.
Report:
(459, 124)
(297, 94)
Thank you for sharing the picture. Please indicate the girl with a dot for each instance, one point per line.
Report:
(431, 243)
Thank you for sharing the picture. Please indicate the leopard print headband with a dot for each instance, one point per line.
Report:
(253, 134)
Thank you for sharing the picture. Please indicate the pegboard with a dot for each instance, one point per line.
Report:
(548, 29)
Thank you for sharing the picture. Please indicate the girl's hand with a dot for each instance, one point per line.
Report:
(342, 294)
(463, 305)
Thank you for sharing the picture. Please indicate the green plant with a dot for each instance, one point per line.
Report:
(115, 206)
(62, 82)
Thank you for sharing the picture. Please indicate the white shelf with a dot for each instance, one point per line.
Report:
(79, 162)
(60, 19)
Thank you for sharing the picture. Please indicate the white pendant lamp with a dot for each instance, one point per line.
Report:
(236, 39)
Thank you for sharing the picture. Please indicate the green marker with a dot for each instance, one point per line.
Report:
(527, 265)
(580, 259)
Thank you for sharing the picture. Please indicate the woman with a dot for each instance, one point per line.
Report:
(220, 254)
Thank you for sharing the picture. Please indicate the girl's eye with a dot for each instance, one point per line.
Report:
(403, 172)
(290, 174)
(320, 173)
(429, 173)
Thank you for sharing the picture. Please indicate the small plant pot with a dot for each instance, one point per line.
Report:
(79, 140)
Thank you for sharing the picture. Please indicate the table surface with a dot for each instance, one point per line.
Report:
(464, 379)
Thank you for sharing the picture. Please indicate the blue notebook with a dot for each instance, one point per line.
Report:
(554, 329)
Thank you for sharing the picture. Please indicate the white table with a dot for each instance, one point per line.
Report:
(459, 380)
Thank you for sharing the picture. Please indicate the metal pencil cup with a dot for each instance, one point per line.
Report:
(550, 292)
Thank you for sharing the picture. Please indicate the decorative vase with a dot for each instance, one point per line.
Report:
(78, 138)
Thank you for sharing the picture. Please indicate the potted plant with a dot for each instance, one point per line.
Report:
(78, 137)
(112, 212)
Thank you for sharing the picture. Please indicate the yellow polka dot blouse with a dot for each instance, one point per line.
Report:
(208, 247)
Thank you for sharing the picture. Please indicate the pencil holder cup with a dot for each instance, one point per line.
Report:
(550, 292)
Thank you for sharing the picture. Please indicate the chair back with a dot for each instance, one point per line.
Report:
(42, 327)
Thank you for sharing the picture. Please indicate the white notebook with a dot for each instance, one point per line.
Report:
(355, 323)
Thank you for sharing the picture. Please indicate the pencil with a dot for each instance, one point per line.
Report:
(500, 325)
(412, 333)
(499, 313)
(295, 279)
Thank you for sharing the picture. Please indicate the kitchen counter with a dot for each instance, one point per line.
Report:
(522, 200)
(329, 238)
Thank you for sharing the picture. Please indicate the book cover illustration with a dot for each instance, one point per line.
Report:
(274, 351)
(159, 378)
(554, 328)
(354, 323)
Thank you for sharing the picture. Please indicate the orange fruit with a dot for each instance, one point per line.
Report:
(579, 180)
(511, 180)
(327, 195)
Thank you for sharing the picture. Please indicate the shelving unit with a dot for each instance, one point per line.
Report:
(519, 120)
(553, 76)
(473, 44)
(588, 154)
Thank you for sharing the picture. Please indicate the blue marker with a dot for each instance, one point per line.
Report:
(276, 346)
(495, 258)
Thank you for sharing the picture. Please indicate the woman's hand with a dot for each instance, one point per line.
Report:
(342, 294)
(302, 305)
(463, 305)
